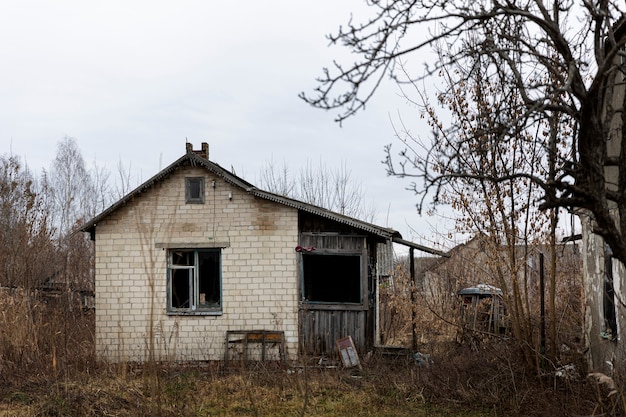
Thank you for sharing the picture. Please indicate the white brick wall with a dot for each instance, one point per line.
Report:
(259, 288)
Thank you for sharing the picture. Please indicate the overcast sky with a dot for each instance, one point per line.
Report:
(133, 80)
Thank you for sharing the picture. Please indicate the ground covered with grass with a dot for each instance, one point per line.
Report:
(466, 385)
(48, 367)
(203, 391)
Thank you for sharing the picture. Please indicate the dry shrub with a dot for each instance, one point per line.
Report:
(493, 372)
(401, 303)
(43, 340)
(395, 311)
(497, 379)
(432, 302)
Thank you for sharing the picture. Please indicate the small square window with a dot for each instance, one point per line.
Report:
(194, 190)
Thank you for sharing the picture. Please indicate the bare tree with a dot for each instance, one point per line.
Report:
(558, 60)
(277, 179)
(102, 193)
(26, 249)
(72, 186)
(123, 186)
(319, 185)
(489, 201)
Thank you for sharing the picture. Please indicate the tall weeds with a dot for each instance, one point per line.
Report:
(44, 340)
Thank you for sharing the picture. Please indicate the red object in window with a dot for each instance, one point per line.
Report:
(305, 249)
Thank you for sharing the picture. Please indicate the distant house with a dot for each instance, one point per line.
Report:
(196, 259)
(464, 265)
(471, 270)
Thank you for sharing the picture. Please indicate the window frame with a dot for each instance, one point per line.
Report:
(610, 328)
(322, 304)
(194, 283)
(188, 186)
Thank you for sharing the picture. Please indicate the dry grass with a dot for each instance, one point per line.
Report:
(494, 372)
(46, 338)
(463, 383)
(47, 368)
(202, 392)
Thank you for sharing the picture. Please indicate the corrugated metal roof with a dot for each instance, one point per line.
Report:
(422, 248)
(325, 213)
(192, 159)
(481, 289)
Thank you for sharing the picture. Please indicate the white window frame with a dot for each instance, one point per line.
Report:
(195, 307)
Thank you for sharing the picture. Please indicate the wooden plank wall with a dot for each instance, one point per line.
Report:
(333, 242)
(320, 329)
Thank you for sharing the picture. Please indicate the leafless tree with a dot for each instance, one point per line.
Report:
(319, 185)
(26, 249)
(123, 186)
(71, 185)
(558, 59)
(277, 179)
(102, 193)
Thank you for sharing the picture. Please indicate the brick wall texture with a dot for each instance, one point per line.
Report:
(259, 285)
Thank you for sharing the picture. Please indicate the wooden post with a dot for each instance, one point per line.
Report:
(413, 296)
(542, 343)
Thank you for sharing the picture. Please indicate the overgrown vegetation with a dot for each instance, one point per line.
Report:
(476, 366)
(48, 365)
(49, 369)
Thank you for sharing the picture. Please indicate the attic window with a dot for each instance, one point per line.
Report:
(194, 190)
(332, 278)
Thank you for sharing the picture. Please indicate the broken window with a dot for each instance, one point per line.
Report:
(194, 190)
(194, 281)
(608, 298)
(622, 67)
(332, 278)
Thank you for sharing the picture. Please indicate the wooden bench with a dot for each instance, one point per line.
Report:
(266, 338)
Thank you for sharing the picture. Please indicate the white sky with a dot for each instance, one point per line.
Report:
(132, 80)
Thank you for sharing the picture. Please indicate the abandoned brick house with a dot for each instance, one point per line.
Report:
(196, 252)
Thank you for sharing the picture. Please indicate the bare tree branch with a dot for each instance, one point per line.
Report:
(556, 65)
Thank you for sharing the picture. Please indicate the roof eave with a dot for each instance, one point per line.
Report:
(419, 247)
(383, 232)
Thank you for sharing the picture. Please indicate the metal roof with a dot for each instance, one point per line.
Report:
(481, 289)
(192, 159)
(422, 248)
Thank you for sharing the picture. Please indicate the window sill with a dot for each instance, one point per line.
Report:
(307, 305)
(194, 313)
(608, 336)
